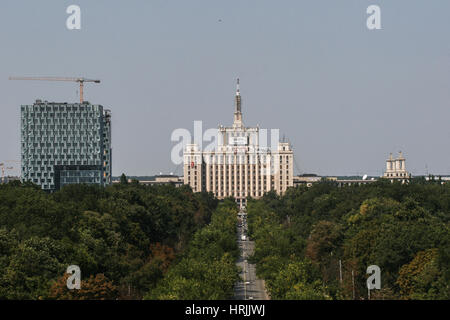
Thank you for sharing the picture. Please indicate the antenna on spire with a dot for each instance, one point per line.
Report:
(238, 101)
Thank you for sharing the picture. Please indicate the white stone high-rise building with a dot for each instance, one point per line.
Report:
(239, 167)
(396, 169)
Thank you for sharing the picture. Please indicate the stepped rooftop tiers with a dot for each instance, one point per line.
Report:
(63, 143)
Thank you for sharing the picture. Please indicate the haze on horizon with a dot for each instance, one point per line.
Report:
(343, 95)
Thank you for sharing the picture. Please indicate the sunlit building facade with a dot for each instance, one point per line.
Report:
(396, 169)
(65, 143)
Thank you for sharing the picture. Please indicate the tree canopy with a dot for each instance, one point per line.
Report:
(402, 228)
(123, 237)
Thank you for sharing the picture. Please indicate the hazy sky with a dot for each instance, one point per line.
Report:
(345, 96)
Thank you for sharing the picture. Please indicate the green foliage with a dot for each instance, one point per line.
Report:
(94, 288)
(31, 267)
(298, 280)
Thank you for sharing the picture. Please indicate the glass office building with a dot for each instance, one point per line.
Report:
(65, 143)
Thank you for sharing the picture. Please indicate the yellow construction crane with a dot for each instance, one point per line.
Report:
(81, 81)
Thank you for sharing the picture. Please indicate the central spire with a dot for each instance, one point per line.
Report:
(238, 97)
(238, 110)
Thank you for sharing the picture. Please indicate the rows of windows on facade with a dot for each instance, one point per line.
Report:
(65, 143)
(239, 167)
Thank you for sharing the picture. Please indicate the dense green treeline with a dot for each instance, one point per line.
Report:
(207, 270)
(124, 238)
(303, 237)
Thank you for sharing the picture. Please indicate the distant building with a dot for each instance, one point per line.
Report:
(156, 180)
(341, 182)
(239, 168)
(65, 143)
(396, 169)
(306, 179)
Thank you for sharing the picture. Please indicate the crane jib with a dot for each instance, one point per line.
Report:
(81, 81)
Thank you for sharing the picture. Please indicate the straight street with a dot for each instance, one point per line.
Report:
(249, 288)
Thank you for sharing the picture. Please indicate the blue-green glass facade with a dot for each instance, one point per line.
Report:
(65, 143)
